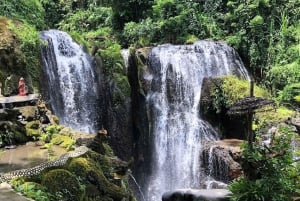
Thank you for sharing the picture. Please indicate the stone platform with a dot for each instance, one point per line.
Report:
(18, 99)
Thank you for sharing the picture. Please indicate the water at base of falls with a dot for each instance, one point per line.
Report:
(71, 81)
(178, 131)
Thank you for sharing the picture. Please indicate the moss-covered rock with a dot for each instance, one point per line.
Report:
(91, 172)
(227, 90)
(11, 133)
(97, 171)
(217, 95)
(55, 119)
(272, 117)
(62, 184)
(85, 178)
(33, 129)
(63, 141)
(20, 136)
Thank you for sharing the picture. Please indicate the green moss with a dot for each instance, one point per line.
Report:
(55, 119)
(86, 178)
(63, 184)
(297, 99)
(108, 150)
(78, 38)
(92, 160)
(227, 90)
(20, 137)
(17, 182)
(122, 90)
(29, 42)
(190, 39)
(104, 161)
(63, 141)
(272, 117)
(91, 171)
(33, 129)
(257, 21)
(236, 89)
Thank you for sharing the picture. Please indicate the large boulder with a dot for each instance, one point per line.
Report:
(62, 183)
(220, 160)
(215, 112)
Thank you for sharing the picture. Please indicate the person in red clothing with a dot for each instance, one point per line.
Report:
(22, 87)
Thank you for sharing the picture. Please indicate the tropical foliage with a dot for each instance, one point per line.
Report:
(269, 170)
(266, 34)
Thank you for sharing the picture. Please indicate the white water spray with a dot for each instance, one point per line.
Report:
(71, 81)
(179, 132)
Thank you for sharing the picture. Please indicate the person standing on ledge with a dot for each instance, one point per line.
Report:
(22, 87)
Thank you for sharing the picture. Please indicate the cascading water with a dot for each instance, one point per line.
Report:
(125, 55)
(71, 81)
(218, 169)
(178, 130)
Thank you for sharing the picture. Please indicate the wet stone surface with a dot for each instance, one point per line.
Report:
(197, 195)
(26, 156)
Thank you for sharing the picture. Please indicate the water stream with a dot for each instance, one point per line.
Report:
(178, 130)
(138, 186)
(71, 81)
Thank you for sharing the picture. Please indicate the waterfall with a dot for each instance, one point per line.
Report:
(177, 128)
(217, 168)
(71, 81)
(125, 55)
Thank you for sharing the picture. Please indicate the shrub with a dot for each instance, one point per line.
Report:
(281, 75)
(63, 184)
(86, 20)
(33, 190)
(141, 34)
(268, 171)
(289, 94)
(30, 11)
(257, 21)
(267, 119)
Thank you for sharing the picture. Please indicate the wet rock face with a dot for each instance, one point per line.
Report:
(140, 84)
(220, 160)
(11, 131)
(117, 121)
(227, 126)
(197, 195)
